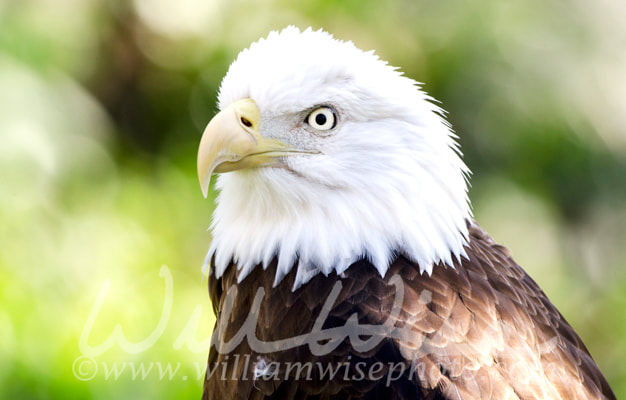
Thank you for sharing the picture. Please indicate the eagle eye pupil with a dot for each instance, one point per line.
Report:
(320, 119)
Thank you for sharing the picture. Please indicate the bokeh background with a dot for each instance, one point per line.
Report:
(102, 104)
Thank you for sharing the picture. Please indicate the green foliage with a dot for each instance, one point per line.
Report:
(102, 107)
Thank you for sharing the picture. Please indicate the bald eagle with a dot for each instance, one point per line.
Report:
(345, 262)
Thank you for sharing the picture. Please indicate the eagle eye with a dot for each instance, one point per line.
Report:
(322, 118)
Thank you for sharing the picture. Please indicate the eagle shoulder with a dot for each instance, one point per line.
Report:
(478, 329)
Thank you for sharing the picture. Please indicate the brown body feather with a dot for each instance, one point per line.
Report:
(480, 330)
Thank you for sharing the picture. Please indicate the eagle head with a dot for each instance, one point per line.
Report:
(328, 155)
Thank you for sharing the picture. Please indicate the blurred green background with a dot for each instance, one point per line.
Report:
(102, 104)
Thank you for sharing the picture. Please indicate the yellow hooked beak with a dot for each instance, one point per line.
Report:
(232, 141)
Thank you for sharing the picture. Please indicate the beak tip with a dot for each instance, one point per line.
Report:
(204, 186)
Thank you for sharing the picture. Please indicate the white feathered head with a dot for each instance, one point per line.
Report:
(332, 156)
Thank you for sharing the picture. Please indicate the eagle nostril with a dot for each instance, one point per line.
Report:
(246, 122)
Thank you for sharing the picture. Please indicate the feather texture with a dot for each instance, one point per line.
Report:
(480, 329)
